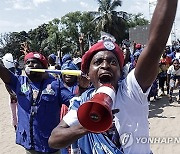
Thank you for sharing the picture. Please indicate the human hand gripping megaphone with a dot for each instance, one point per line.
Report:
(95, 115)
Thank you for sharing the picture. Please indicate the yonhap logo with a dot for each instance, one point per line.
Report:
(126, 139)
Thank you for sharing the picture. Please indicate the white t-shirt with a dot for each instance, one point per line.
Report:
(177, 55)
(132, 120)
(172, 71)
(126, 69)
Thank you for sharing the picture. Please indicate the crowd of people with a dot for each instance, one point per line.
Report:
(48, 103)
(168, 76)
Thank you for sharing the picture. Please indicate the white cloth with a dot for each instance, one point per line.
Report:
(132, 119)
(126, 69)
(178, 55)
(172, 71)
(71, 117)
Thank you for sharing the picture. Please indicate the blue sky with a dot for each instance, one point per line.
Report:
(19, 15)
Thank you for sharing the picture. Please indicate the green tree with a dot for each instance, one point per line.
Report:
(136, 20)
(37, 36)
(10, 43)
(64, 33)
(73, 25)
(53, 42)
(109, 20)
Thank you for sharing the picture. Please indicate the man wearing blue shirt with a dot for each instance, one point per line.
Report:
(40, 97)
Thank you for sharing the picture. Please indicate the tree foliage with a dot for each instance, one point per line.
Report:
(136, 20)
(74, 25)
(11, 43)
(109, 20)
(37, 36)
(63, 34)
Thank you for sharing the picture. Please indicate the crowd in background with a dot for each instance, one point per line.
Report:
(169, 70)
(167, 80)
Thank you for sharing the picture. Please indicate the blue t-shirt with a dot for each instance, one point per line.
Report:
(33, 131)
(92, 142)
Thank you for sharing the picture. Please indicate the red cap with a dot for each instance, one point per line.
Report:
(101, 46)
(138, 46)
(38, 56)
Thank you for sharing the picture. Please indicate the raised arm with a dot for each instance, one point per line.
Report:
(160, 28)
(4, 74)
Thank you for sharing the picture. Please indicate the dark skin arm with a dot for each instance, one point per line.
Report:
(168, 78)
(160, 28)
(81, 43)
(5, 74)
(63, 135)
(12, 95)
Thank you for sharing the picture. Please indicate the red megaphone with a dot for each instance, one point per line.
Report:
(95, 115)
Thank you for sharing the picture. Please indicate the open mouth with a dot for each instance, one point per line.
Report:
(105, 78)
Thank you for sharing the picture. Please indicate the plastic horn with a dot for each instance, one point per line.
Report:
(67, 72)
